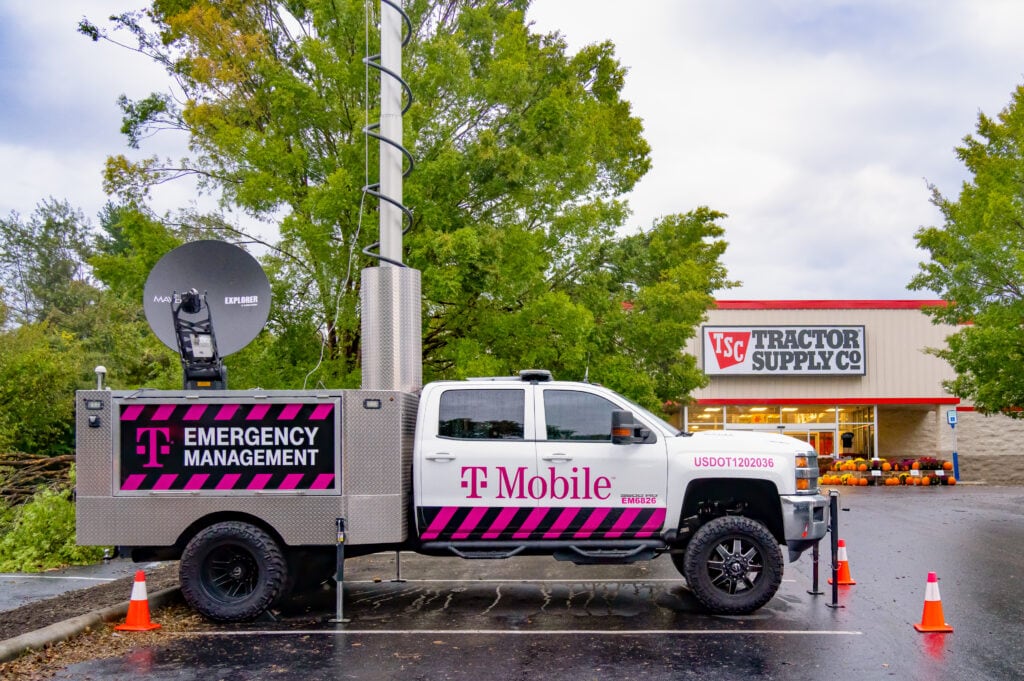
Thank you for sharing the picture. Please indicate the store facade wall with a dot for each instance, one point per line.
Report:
(852, 378)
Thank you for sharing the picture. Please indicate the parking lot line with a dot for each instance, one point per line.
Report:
(513, 580)
(545, 632)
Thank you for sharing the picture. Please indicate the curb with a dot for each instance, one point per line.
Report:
(61, 631)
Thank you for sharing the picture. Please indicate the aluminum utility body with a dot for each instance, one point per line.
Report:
(245, 486)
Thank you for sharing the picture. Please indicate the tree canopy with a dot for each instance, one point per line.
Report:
(977, 264)
(523, 154)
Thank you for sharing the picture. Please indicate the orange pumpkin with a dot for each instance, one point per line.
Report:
(886, 466)
(863, 467)
(925, 480)
(916, 466)
(947, 465)
(951, 480)
(863, 482)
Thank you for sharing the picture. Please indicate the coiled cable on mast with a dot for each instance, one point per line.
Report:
(371, 130)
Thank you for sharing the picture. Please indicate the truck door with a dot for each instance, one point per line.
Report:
(476, 453)
(597, 490)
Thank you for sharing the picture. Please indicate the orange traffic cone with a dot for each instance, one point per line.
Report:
(932, 619)
(138, 608)
(845, 579)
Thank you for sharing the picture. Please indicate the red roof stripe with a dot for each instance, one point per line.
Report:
(828, 304)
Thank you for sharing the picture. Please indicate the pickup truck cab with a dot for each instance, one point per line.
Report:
(530, 465)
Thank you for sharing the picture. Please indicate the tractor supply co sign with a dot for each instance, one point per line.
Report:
(228, 448)
(786, 350)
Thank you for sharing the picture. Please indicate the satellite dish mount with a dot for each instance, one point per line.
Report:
(201, 364)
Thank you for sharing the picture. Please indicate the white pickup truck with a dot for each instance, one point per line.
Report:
(246, 487)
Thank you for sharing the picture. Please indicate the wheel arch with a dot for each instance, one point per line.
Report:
(760, 500)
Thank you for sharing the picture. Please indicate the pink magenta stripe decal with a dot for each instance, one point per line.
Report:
(564, 519)
(165, 481)
(592, 523)
(323, 481)
(439, 522)
(259, 481)
(132, 482)
(226, 412)
(195, 412)
(470, 523)
(196, 481)
(321, 412)
(291, 481)
(624, 522)
(501, 522)
(131, 413)
(163, 412)
(257, 412)
(656, 521)
(228, 481)
(290, 411)
(532, 521)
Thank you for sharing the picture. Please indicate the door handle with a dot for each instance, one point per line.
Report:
(441, 456)
(557, 458)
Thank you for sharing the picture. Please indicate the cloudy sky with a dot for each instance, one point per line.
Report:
(816, 125)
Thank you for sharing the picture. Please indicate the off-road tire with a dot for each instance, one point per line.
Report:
(733, 565)
(232, 572)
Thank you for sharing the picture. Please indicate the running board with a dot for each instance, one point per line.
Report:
(485, 554)
(597, 556)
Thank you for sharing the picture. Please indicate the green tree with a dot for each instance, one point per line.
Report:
(43, 274)
(523, 154)
(977, 265)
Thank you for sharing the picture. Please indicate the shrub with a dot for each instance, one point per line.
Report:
(41, 535)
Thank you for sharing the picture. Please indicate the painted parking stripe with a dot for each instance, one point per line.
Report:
(520, 632)
(513, 580)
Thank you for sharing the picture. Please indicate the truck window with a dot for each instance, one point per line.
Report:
(482, 414)
(572, 415)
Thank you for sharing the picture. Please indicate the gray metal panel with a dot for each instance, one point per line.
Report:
(377, 446)
(160, 519)
(93, 446)
(392, 337)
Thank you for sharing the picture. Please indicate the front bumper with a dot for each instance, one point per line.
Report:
(804, 520)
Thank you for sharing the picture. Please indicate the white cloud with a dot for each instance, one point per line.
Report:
(813, 124)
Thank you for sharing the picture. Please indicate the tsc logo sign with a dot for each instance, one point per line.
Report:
(730, 347)
(787, 350)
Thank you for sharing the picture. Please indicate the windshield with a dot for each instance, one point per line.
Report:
(668, 427)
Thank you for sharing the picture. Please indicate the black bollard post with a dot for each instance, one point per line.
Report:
(339, 574)
(833, 509)
(814, 570)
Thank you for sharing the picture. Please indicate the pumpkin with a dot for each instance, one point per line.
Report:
(951, 480)
(925, 480)
(916, 466)
(863, 482)
(947, 466)
(862, 468)
(886, 466)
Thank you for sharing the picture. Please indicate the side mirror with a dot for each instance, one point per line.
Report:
(625, 431)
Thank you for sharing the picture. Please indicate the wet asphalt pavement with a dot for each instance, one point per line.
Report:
(17, 589)
(535, 618)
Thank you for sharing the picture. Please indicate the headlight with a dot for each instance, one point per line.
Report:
(807, 473)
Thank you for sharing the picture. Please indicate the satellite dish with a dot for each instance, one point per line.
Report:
(236, 288)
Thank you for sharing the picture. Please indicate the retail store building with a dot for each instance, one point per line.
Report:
(851, 377)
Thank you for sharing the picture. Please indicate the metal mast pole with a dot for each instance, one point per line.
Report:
(390, 294)
(390, 128)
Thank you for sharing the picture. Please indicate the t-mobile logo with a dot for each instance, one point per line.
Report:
(152, 442)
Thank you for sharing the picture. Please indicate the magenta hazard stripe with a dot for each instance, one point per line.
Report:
(290, 411)
(439, 522)
(592, 523)
(470, 523)
(532, 521)
(321, 412)
(197, 481)
(131, 413)
(228, 481)
(259, 481)
(624, 522)
(132, 482)
(163, 412)
(291, 481)
(195, 412)
(257, 412)
(323, 481)
(653, 524)
(501, 522)
(165, 481)
(562, 523)
(226, 412)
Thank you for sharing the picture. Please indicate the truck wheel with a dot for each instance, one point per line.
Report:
(232, 571)
(733, 565)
